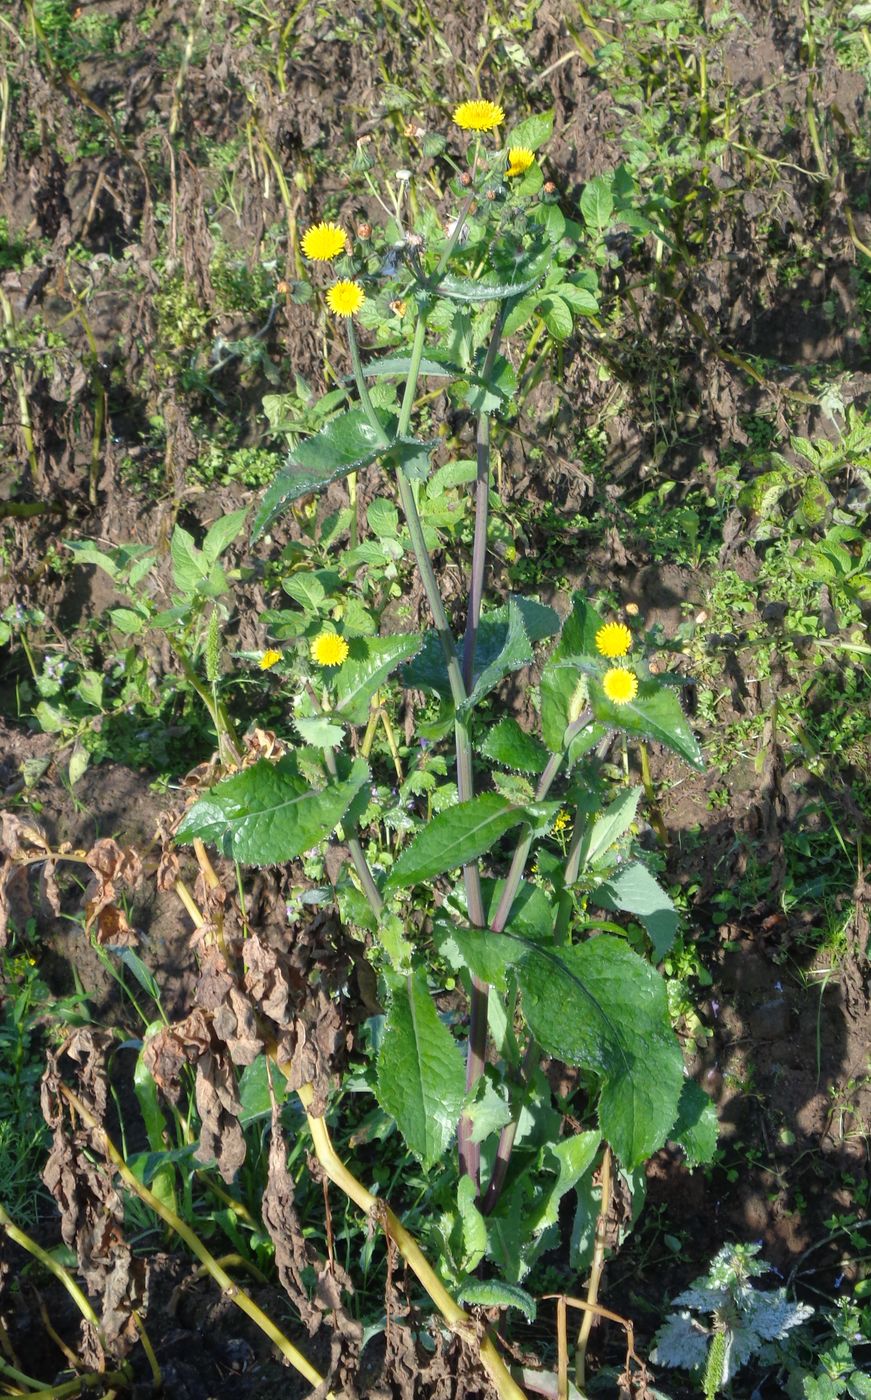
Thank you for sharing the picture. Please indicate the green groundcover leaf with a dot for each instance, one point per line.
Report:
(532, 132)
(421, 1078)
(453, 838)
(269, 813)
(347, 443)
(370, 662)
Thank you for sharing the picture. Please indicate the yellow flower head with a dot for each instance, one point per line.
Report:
(269, 659)
(323, 242)
(345, 298)
(329, 649)
(614, 639)
(563, 820)
(520, 158)
(478, 116)
(620, 685)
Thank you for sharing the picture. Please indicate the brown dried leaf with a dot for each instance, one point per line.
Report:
(90, 1208)
(112, 926)
(111, 866)
(22, 844)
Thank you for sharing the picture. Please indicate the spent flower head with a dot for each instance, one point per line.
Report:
(323, 242)
(614, 639)
(329, 649)
(520, 158)
(345, 298)
(620, 685)
(478, 116)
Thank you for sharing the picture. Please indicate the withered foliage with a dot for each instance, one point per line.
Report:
(23, 847)
(294, 1254)
(81, 1184)
(251, 998)
(444, 1369)
(111, 867)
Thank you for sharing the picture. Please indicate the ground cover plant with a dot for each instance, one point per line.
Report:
(435, 737)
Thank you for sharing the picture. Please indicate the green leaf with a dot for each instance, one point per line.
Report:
(609, 828)
(490, 1112)
(347, 443)
(487, 956)
(493, 1293)
(563, 687)
(269, 813)
(369, 663)
(412, 457)
(127, 621)
(421, 1077)
(513, 747)
(382, 518)
(503, 644)
(307, 590)
(458, 473)
(601, 1007)
(634, 890)
(578, 298)
(222, 534)
(473, 1224)
(318, 730)
(557, 317)
(532, 132)
(486, 396)
(389, 366)
(254, 1094)
(526, 272)
(597, 203)
(189, 567)
(520, 313)
(696, 1127)
(453, 838)
(655, 713)
(574, 1156)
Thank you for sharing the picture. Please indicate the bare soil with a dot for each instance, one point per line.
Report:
(787, 1062)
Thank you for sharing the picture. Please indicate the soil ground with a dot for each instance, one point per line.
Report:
(787, 1055)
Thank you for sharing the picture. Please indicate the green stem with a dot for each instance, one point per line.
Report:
(60, 1273)
(228, 742)
(355, 849)
(228, 1287)
(362, 387)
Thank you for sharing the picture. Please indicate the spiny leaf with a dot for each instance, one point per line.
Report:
(348, 442)
(421, 1079)
(453, 838)
(513, 747)
(603, 1008)
(370, 662)
(493, 1293)
(269, 813)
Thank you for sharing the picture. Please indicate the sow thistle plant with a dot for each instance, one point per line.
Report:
(515, 881)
